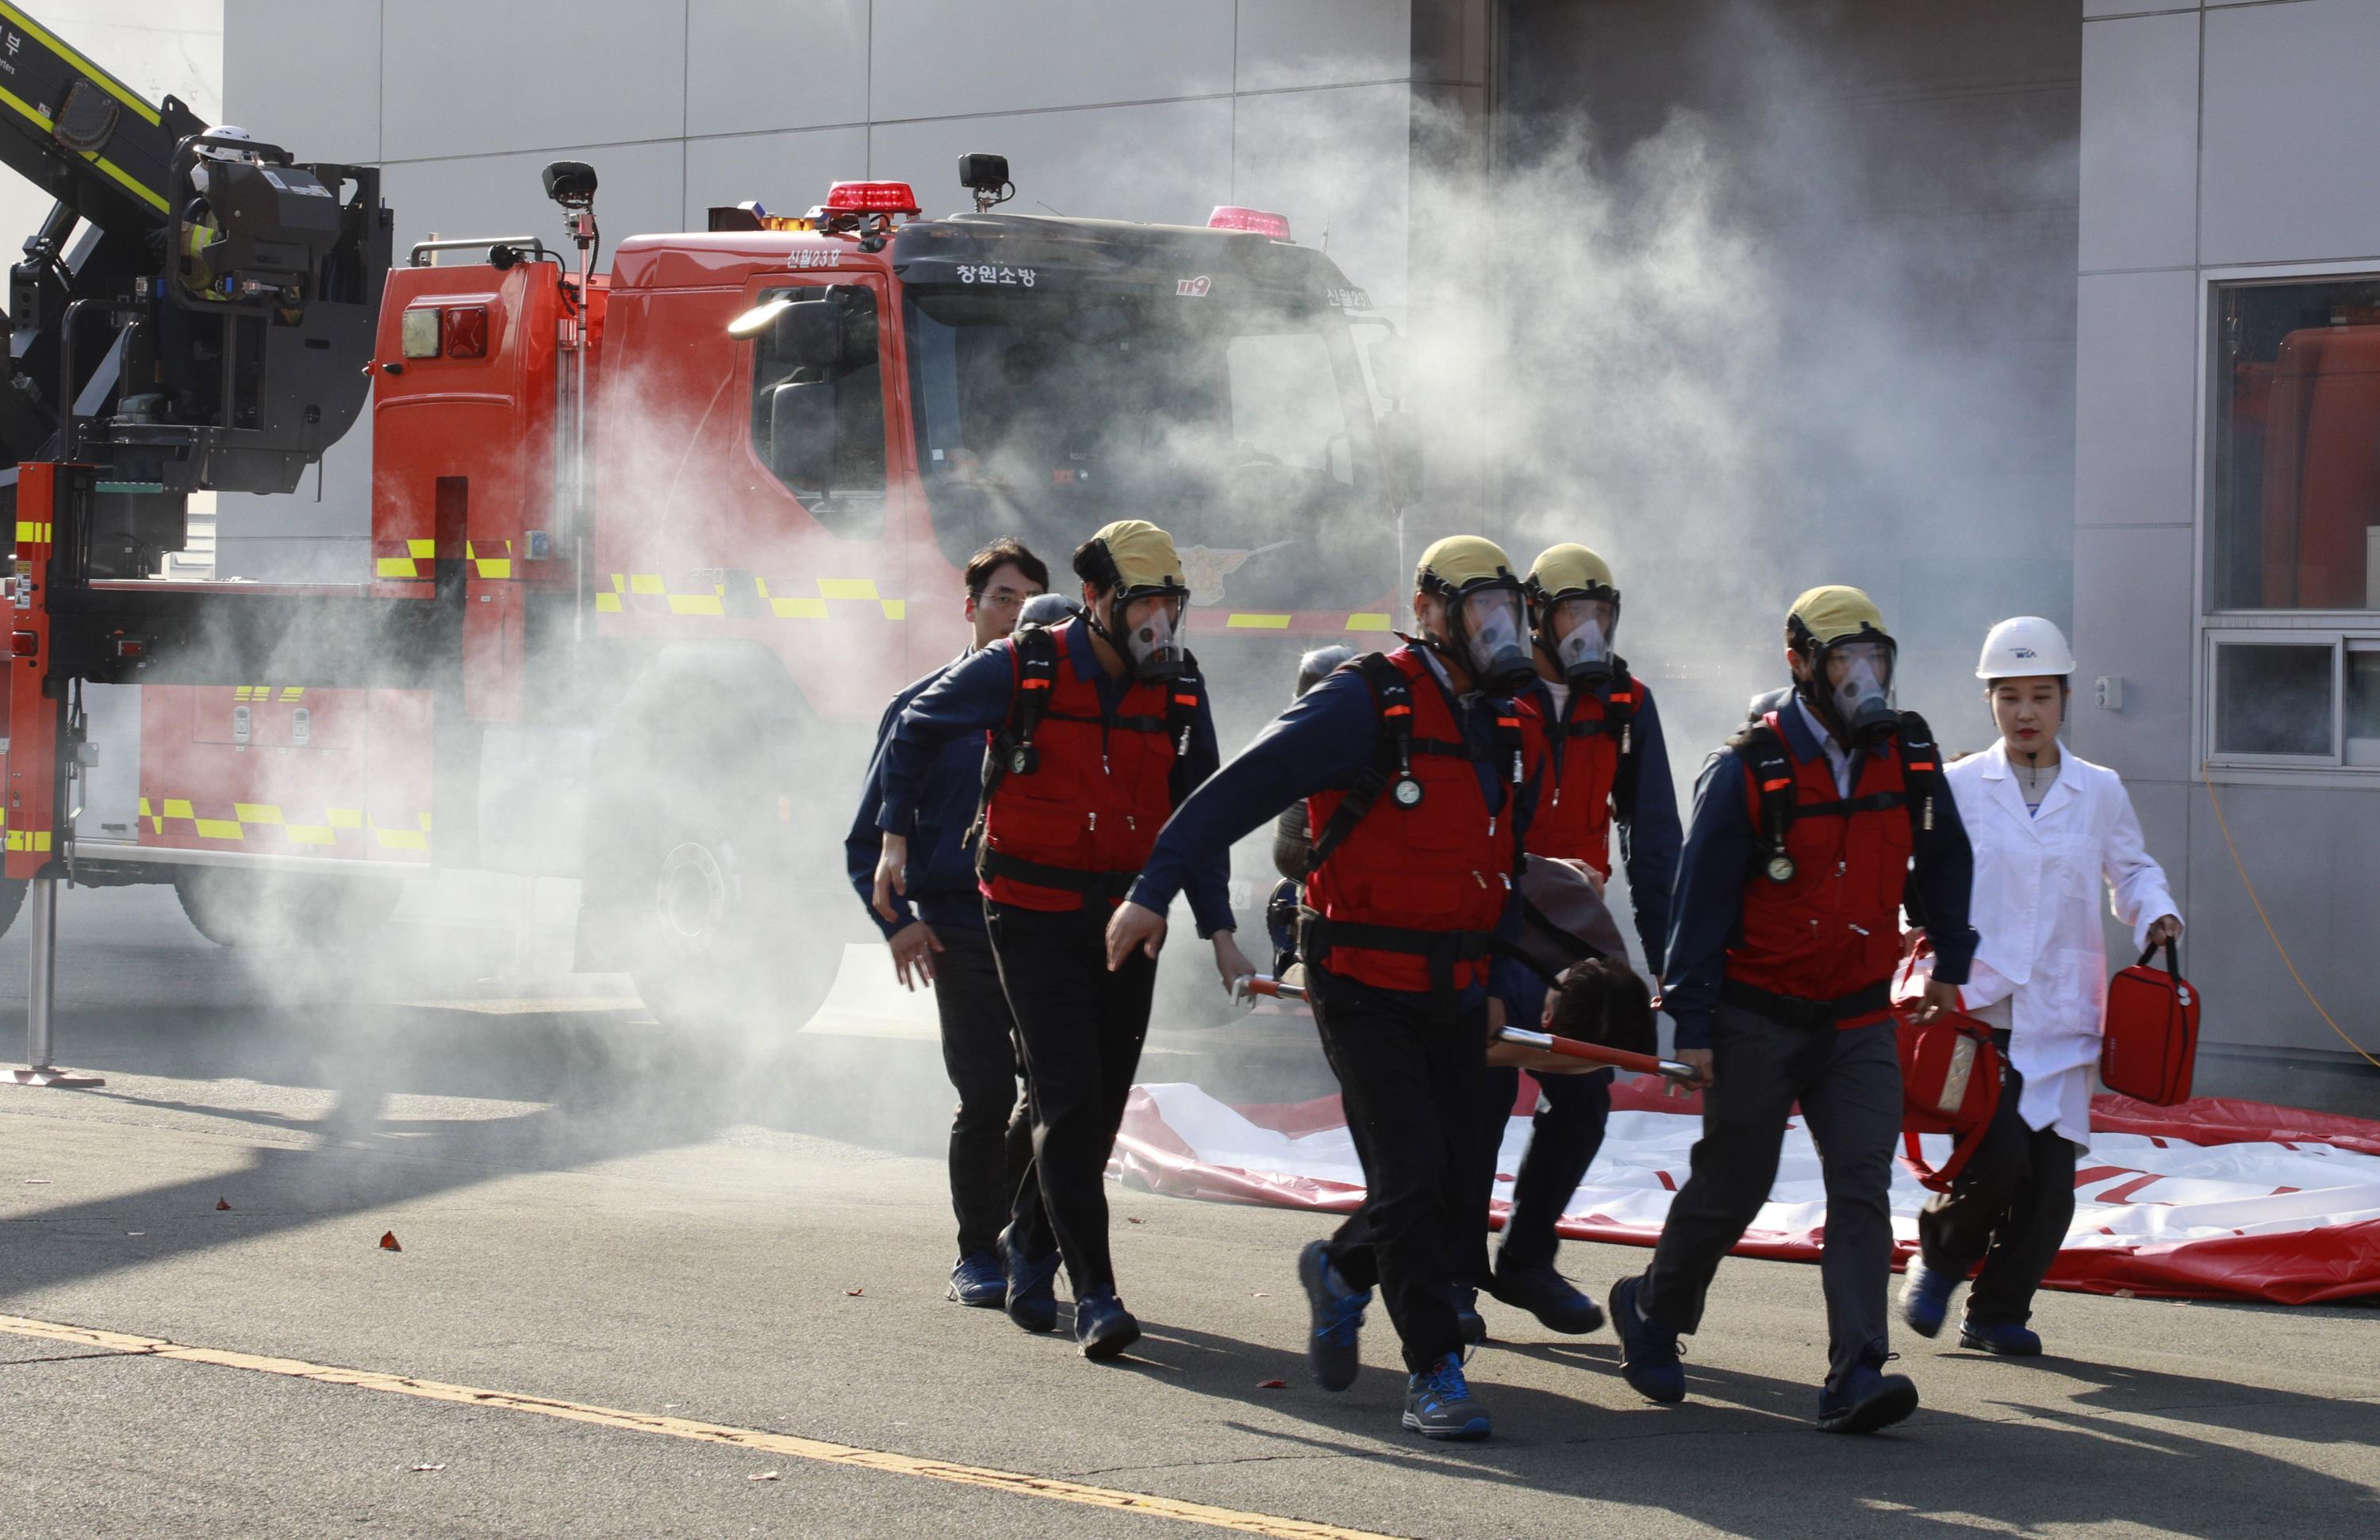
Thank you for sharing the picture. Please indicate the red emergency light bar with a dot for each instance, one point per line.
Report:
(1257, 221)
(870, 197)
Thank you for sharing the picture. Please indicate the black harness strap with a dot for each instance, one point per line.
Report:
(1873, 1000)
(1775, 777)
(1012, 749)
(1113, 885)
(1441, 949)
(1394, 699)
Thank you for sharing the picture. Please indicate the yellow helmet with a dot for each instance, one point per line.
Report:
(1567, 569)
(1832, 612)
(1458, 561)
(1133, 557)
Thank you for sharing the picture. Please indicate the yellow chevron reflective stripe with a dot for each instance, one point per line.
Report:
(271, 815)
(1361, 621)
(754, 601)
(394, 566)
(1248, 622)
(34, 840)
(117, 174)
(28, 532)
(489, 567)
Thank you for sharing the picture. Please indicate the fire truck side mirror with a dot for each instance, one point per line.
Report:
(802, 425)
(1391, 372)
(1401, 457)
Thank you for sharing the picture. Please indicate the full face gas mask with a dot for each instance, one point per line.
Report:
(1851, 686)
(1152, 639)
(1491, 636)
(1577, 636)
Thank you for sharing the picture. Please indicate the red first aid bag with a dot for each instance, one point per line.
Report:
(2151, 1047)
(1949, 1076)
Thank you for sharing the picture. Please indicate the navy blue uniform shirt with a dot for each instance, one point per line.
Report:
(1645, 811)
(1718, 862)
(973, 698)
(1326, 738)
(940, 873)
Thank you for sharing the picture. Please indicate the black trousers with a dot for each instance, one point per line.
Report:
(991, 1130)
(2009, 1209)
(1409, 1074)
(1081, 1028)
(1563, 1139)
(1849, 1086)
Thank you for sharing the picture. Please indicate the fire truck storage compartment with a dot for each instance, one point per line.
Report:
(285, 770)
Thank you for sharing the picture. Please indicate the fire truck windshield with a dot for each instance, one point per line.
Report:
(1241, 424)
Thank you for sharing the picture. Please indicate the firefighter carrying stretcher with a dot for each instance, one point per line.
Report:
(1787, 934)
(1411, 767)
(1606, 763)
(1101, 727)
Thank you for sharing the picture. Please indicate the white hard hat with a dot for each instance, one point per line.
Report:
(2024, 648)
(224, 151)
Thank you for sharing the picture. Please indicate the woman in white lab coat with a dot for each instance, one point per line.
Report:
(2048, 829)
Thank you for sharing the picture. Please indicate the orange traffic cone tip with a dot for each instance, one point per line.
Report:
(222, 1204)
(388, 1241)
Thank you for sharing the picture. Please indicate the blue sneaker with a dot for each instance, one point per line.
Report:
(2005, 1338)
(1102, 1325)
(1648, 1351)
(1031, 1296)
(1926, 1297)
(1331, 1356)
(1439, 1405)
(978, 1280)
(1867, 1399)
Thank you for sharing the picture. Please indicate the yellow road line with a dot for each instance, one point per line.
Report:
(1053, 1488)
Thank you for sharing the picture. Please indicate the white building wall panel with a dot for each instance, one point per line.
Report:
(2135, 397)
(948, 58)
(759, 65)
(2291, 119)
(2140, 136)
(1287, 43)
(470, 78)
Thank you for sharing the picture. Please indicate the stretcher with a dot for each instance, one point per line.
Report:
(1248, 987)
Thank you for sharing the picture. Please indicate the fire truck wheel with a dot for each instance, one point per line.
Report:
(723, 944)
(234, 908)
(12, 899)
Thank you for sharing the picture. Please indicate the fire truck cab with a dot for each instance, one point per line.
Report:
(655, 659)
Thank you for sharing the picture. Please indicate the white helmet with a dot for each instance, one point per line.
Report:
(2024, 648)
(225, 151)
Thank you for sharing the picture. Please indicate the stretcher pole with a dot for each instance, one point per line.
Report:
(1253, 986)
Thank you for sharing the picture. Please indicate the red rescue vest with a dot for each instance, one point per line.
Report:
(1087, 813)
(1572, 819)
(1833, 930)
(1438, 870)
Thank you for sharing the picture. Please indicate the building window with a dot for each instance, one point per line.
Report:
(2274, 699)
(2291, 531)
(2294, 501)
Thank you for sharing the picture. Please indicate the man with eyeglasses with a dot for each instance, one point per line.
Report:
(938, 938)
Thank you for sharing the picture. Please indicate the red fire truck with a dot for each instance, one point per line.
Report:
(650, 547)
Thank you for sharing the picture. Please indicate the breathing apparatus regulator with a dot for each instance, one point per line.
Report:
(1840, 633)
(1575, 613)
(1128, 561)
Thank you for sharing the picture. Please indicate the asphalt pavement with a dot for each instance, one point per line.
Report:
(665, 1283)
